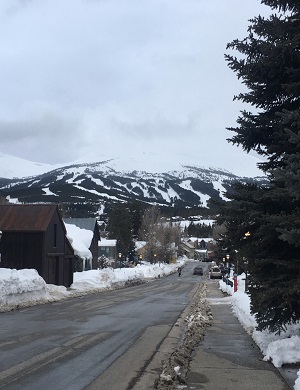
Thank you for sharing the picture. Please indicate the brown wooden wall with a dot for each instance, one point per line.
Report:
(58, 259)
(22, 250)
(45, 251)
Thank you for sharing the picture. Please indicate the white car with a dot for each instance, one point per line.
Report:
(215, 273)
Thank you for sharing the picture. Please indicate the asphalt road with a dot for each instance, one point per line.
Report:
(100, 341)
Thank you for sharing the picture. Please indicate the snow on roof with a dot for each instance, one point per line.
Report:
(107, 242)
(206, 239)
(140, 244)
(80, 240)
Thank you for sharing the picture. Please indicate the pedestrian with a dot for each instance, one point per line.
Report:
(179, 271)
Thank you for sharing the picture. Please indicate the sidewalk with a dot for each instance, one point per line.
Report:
(228, 358)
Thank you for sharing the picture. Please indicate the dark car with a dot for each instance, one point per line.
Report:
(198, 271)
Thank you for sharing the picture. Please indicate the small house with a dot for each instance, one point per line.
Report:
(188, 249)
(34, 237)
(107, 248)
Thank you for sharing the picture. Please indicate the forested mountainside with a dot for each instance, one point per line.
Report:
(85, 188)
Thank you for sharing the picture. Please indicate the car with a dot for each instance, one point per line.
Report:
(215, 273)
(198, 271)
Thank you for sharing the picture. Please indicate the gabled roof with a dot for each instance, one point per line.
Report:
(82, 223)
(188, 245)
(26, 217)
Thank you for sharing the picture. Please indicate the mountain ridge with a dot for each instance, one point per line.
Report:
(15, 167)
(89, 186)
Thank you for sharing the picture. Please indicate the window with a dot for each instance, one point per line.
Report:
(55, 235)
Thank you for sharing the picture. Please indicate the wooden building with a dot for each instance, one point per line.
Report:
(34, 236)
(188, 249)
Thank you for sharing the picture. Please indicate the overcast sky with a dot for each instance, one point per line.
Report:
(93, 78)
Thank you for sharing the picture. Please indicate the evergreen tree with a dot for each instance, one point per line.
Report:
(288, 176)
(269, 66)
(270, 69)
(136, 214)
(199, 230)
(120, 228)
(191, 229)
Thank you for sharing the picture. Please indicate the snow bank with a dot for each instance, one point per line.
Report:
(18, 287)
(284, 351)
(297, 382)
(94, 279)
(26, 287)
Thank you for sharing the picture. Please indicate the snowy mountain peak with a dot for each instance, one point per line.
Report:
(148, 163)
(15, 167)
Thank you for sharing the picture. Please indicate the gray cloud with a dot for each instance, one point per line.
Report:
(83, 77)
(44, 139)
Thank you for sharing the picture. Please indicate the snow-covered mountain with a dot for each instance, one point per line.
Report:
(14, 167)
(89, 186)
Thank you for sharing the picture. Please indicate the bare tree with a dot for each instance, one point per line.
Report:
(161, 237)
(169, 238)
(3, 200)
(148, 232)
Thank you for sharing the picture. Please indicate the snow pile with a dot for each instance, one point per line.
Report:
(279, 349)
(26, 287)
(241, 306)
(112, 278)
(158, 270)
(283, 351)
(94, 279)
(18, 287)
(106, 278)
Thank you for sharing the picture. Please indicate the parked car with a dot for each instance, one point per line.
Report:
(215, 273)
(198, 271)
